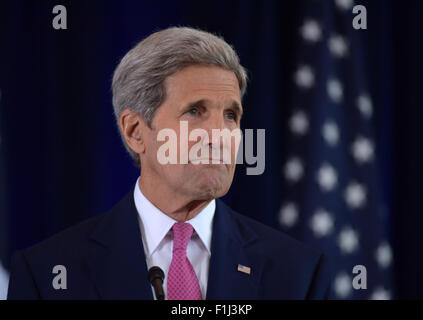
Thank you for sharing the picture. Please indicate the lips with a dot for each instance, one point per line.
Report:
(209, 160)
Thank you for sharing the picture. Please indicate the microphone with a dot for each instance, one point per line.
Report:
(155, 277)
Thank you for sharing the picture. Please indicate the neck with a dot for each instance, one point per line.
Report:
(178, 207)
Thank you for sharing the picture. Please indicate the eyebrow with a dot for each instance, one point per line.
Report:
(234, 105)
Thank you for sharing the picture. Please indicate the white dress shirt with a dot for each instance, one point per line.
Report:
(157, 238)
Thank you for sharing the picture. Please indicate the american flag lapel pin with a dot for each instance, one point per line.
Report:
(244, 269)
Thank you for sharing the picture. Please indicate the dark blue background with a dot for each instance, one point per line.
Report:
(63, 158)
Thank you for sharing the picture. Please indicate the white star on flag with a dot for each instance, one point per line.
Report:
(355, 195)
(348, 240)
(304, 77)
(327, 177)
(344, 4)
(311, 31)
(294, 169)
(343, 285)
(362, 150)
(364, 104)
(338, 46)
(335, 90)
(383, 255)
(330, 133)
(299, 123)
(321, 223)
(381, 294)
(288, 215)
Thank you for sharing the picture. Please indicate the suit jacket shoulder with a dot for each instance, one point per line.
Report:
(283, 262)
(74, 248)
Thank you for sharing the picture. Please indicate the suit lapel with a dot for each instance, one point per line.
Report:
(116, 258)
(230, 249)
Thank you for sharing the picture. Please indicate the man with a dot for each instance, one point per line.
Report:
(172, 218)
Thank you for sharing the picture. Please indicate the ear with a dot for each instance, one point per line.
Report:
(133, 128)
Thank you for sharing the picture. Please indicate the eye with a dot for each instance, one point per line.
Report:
(193, 111)
(231, 115)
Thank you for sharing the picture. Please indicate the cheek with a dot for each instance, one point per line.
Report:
(232, 146)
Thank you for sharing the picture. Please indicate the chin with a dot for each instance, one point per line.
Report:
(211, 188)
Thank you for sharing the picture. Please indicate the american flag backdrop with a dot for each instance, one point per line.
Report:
(331, 195)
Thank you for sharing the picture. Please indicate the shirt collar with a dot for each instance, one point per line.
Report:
(203, 224)
(155, 224)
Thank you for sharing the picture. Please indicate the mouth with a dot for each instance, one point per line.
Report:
(207, 161)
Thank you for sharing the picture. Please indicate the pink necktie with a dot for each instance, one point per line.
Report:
(182, 282)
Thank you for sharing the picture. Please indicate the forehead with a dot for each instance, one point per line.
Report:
(199, 81)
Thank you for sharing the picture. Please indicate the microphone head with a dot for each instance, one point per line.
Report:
(155, 273)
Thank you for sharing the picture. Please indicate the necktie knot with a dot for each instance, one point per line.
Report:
(182, 233)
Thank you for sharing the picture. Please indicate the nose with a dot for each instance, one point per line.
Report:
(214, 122)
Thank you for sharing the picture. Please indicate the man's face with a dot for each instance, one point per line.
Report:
(206, 98)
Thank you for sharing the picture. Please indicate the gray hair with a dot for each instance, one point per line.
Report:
(138, 81)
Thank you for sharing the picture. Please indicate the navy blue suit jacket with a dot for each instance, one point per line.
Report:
(104, 259)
